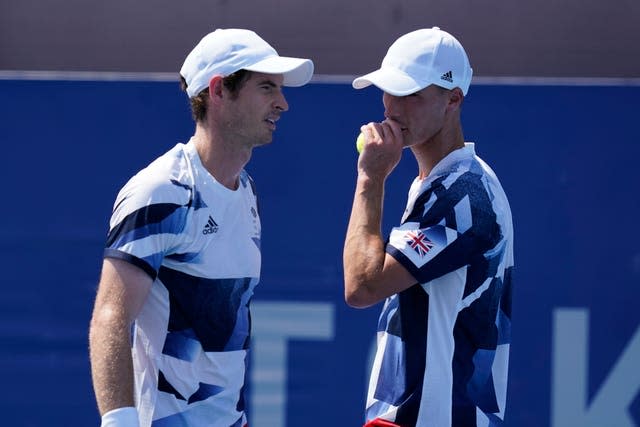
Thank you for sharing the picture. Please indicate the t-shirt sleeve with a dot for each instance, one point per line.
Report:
(447, 229)
(147, 221)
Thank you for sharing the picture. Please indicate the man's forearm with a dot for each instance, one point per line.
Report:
(111, 366)
(363, 255)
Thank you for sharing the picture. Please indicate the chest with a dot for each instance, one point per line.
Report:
(222, 238)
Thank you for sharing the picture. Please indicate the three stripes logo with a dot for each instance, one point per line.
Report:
(211, 227)
(448, 76)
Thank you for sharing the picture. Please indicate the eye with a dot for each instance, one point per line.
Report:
(267, 87)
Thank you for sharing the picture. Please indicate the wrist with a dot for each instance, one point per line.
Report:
(121, 417)
(370, 182)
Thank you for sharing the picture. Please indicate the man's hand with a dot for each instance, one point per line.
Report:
(382, 149)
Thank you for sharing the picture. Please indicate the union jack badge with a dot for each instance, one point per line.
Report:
(419, 242)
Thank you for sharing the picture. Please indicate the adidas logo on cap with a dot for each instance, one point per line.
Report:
(448, 76)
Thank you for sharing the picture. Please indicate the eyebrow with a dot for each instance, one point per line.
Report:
(266, 81)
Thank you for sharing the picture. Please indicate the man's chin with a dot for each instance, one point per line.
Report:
(263, 141)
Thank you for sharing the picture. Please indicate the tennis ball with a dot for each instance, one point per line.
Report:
(360, 142)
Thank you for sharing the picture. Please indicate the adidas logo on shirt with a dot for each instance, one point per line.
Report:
(211, 227)
(448, 76)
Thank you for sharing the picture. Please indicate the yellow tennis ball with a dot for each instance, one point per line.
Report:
(360, 142)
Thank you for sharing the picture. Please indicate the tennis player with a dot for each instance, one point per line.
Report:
(182, 256)
(444, 273)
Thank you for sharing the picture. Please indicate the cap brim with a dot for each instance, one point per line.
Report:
(296, 71)
(389, 80)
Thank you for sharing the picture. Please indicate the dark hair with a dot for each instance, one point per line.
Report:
(233, 83)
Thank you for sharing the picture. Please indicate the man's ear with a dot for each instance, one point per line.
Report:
(216, 87)
(455, 98)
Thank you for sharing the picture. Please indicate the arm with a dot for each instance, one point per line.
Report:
(370, 275)
(122, 291)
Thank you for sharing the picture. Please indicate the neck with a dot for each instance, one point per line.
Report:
(222, 158)
(431, 152)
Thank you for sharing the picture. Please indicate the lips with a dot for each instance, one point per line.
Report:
(392, 119)
(272, 119)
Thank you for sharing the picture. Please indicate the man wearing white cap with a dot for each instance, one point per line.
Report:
(182, 256)
(444, 273)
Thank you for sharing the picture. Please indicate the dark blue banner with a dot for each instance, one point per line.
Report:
(566, 155)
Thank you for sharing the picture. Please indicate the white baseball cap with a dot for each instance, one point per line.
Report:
(418, 59)
(225, 51)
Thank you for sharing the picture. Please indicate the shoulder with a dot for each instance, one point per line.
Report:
(168, 179)
(465, 179)
(458, 198)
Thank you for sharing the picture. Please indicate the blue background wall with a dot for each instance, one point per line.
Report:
(566, 155)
